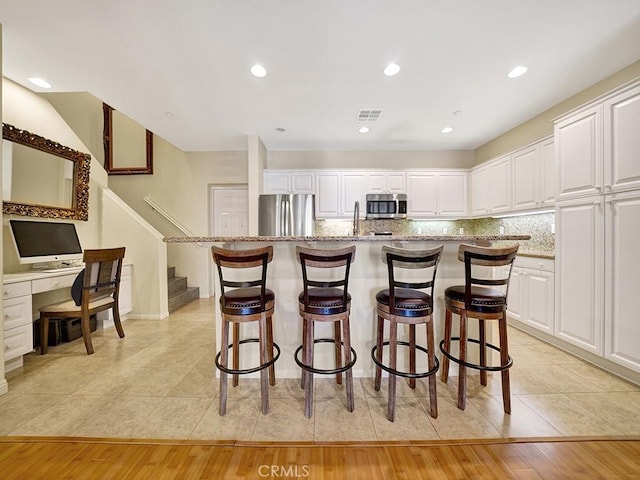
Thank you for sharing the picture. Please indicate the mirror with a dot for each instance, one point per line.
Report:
(128, 146)
(41, 178)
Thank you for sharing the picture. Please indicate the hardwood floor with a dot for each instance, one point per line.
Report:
(528, 459)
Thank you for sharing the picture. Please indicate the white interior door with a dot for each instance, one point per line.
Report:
(229, 211)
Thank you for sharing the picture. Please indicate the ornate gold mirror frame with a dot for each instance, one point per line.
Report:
(111, 144)
(79, 209)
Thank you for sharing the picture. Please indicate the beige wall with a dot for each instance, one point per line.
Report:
(24, 109)
(337, 159)
(542, 125)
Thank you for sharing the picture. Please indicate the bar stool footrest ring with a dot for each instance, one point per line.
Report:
(248, 370)
(319, 371)
(497, 368)
(400, 373)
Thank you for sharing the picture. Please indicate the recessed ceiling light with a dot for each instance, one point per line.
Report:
(258, 71)
(391, 69)
(363, 129)
(169, 114)
(281, 130)
(517, 71)
(40, 82)
(447, 130)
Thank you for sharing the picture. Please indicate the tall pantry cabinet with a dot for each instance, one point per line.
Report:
(598, 226)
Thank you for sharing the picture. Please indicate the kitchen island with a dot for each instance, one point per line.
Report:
(368, 275)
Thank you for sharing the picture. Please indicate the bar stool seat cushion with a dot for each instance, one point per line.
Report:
(483, 300)
(409, 302)
(324, 301)
(246, 301)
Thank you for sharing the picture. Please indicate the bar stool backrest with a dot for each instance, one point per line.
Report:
(402, 258)
(313, 258)
(474, 255)
(256, 258)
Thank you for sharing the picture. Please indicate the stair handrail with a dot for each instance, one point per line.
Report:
(163, 213)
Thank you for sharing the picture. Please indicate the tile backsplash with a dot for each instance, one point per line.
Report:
(538, 225)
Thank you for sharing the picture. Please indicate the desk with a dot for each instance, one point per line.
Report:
(23, 295)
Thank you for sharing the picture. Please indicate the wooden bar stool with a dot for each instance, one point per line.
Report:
(241, 302)
(325, 298)
(478, 298)
(406, 302)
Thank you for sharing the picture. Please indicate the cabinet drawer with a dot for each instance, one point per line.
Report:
(17, 312)
(18, 341)
(535, 263)
(52, 283)
(17, 289)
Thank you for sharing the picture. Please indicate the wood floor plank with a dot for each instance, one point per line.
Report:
(79, 459)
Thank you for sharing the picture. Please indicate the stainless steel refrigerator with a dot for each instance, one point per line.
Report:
(287, 215)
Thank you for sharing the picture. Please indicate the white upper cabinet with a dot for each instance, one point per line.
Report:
(548, 173)
(353, 189)
(386, 182)
(533, 172)
(480, 190)
(500, 186)
(622, 141)
(491, 187)
(436, 193)
(526, 178)
(578, 146)
(284, 181)
(337, 193)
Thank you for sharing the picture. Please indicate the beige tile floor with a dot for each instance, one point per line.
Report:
(158, 382)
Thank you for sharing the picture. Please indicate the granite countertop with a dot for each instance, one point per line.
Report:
(351, 238)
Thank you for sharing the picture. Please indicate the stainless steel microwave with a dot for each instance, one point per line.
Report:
(386, 205)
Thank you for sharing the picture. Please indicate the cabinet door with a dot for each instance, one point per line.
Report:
(525, 167)
(327, 195)
(540, 303)
(396, 182)
(302, 182)
(422, 193)
(353, 190)
(622, 141)
(500, 186)
(480, 191)
(516, 301)
(579, 273)
(548, 173)
(277, 182)
(578, 146)
(385, 182)
(452, 190)
(622, 300)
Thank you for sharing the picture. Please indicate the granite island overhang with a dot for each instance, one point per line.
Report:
(368, 275)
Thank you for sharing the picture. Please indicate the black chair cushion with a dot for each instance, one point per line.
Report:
(245, 301)
(324, 301)
(483, 299)
(409, 303)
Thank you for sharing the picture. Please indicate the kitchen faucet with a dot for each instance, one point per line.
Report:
(356, 218)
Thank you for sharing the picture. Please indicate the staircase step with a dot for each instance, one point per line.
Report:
(187, 296)
(176, 285)
(171, 272)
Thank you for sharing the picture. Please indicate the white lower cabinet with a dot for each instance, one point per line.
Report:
(531, 293)
(622, 295)
(18, 325)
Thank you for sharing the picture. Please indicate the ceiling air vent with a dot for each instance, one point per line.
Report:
(369, 115)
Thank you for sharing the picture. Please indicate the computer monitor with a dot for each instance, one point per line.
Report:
(45, 242)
